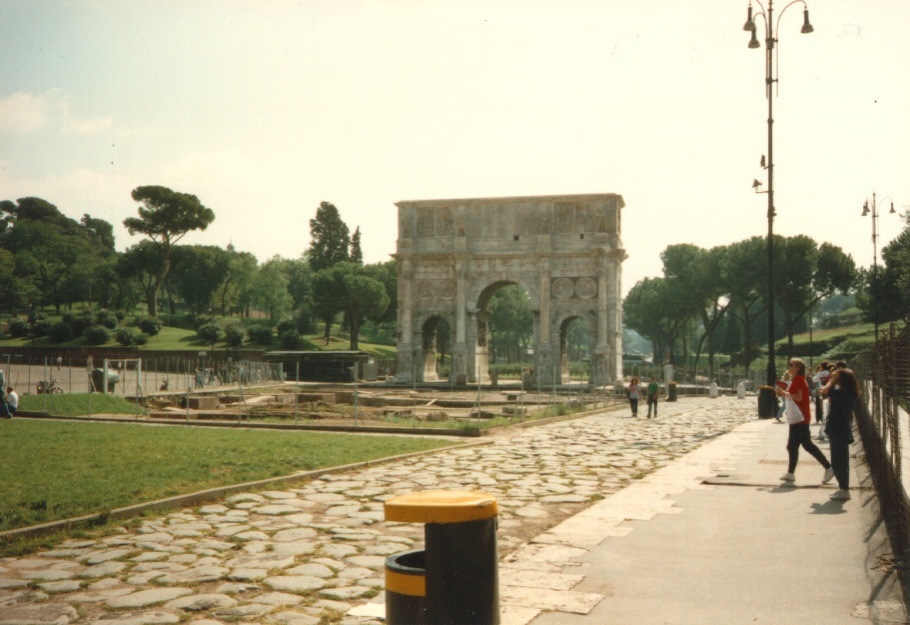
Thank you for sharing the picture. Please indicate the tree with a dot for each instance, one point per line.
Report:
(270, 289)
(236, 290)
(885, 295)
(166, 216)
(654, 309)
(350, 289)
(511, 321)
(744, 286)
(356, 252)
(330, 238)
(197, 275)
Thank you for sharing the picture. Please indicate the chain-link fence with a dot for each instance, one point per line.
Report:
(133, 377)
(883, 425)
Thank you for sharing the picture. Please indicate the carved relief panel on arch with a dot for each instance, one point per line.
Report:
(568, 288)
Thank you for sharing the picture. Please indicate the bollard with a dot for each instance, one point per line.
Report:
(713, 391)
(460, 559)
(741, 391)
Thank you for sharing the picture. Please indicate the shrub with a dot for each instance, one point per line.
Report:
(209, 332)
(131, 336)
(233, 334)
(260, 334)
(97, 335)
(285, 325)
(150, 325)
(107, 319)
(81, 322)
(60, 332)
(18, 328)
(202, 320)
(290, 339)
(40, 327)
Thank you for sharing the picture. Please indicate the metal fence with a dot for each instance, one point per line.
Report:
(154, 375)
(882, 420)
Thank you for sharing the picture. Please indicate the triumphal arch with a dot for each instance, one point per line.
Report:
(565, 251)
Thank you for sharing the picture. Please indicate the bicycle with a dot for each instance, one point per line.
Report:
(49, 386)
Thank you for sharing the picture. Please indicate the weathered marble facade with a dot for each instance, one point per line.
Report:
(564, 251)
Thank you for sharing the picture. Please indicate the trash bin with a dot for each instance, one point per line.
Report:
(671, 391)
(460, 558)
(406, 588)
(767, 402)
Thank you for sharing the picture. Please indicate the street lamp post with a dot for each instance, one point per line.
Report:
(771, 38)
(873, 208)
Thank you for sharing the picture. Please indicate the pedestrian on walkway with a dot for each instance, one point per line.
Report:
(653, 392)
(634, 394)
(798, 393)
(842, 391)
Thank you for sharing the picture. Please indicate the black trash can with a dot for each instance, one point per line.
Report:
(767, 402)
(406, 588)
(461, 562)
(671, 391)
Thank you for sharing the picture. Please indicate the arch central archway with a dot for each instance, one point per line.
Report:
(453, 255)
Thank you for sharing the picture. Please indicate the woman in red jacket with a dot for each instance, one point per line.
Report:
(798, 392)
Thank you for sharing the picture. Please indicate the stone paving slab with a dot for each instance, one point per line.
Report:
(325, 541)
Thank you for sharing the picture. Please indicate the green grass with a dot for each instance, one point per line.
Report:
(78, 404)
(56, 470)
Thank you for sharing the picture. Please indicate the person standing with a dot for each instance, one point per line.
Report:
(653, 392)
(12, 402)
(799, 436)
(842, 391)
(634, 395)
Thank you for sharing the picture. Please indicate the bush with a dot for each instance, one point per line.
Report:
(260, 334)
(202, 320)
(41, 327)
(285, 325)
(81, 322)
(97, 335)
(131, 336)
(60, 332)
(209, 332)
(233, 334)
(107, 319)
(289, 339)
(18, 328)
(150, 325)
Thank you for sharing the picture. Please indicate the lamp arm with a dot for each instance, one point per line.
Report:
(787, 6)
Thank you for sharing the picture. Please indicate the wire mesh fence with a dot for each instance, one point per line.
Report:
(883, 424)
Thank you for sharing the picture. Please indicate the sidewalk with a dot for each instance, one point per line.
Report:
(715, 537)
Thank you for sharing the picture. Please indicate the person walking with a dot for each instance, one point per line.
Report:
(653, 392)
(842, 391)
(799, 436)
(634, 394)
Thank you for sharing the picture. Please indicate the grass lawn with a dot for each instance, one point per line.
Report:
(56, 470)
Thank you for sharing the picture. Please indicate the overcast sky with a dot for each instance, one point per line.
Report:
(265, 108)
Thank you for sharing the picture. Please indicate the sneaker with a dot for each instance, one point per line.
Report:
(829, 475)
(841, 495)
(788, 477)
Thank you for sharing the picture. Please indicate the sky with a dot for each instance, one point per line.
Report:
(265, 108)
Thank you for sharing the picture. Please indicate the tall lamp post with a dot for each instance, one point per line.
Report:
(873, 208)
(766, 401)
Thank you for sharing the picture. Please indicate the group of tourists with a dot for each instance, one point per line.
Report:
(652, 391)
(841, 390)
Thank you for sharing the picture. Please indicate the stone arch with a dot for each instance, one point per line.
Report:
(564, 251)
(562, 331)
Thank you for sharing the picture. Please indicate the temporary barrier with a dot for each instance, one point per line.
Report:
(461, 579)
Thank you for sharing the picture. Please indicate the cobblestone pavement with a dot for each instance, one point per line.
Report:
(307, 555)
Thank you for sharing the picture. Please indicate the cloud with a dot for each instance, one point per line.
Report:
(23, 113)
(27, 112)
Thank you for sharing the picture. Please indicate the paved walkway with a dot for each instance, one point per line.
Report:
(603, 519)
